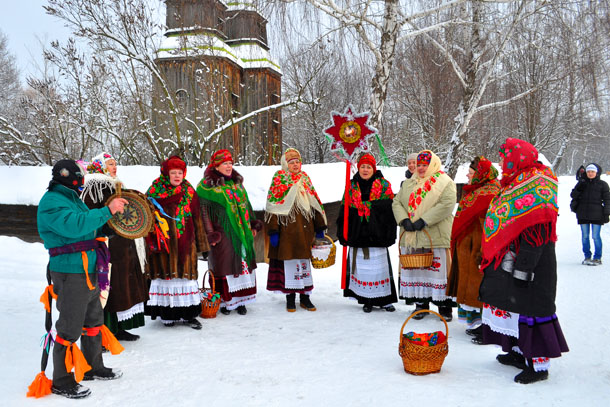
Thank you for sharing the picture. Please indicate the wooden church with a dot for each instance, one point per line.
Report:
(216, 62)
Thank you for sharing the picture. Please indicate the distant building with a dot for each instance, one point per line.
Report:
(216, 61)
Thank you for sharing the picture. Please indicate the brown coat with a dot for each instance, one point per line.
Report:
(127, 282)
(296, 237)
(168, 265)
(465, 277)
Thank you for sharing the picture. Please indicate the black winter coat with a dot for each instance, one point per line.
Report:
(513, 292)
(591, 199)
(379, 230)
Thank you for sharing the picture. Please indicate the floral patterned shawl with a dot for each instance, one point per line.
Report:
(527, 201)
(290, 194)
(162, 188)
(380, 189)
(475, 199)
(427, 190)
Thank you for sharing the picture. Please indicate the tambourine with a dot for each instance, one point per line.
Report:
(136, 220)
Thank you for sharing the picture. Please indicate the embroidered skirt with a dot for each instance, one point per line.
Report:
(173, 300)
(237, 291)
(290, 276)
(425, 284)
(369, 276)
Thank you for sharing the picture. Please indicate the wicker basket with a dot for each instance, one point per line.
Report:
(416, 260)
(209, 306)
(421, 360)
(318, 263)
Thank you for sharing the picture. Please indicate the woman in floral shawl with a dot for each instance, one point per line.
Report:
(520, 269)
(125, 307)
(425, 204)
(465, 277)
(371, 230)
(293, 216)
(172, 262)
(231, 227)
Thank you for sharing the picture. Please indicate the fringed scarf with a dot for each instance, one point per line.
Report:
(290, 194)
(226, 201)
(527, 203)
(426, 192)
(475, 199)
(380, 189)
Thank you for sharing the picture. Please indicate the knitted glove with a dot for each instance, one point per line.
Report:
(419, 224)
(407, 225)
(320, 234)
(274, 239)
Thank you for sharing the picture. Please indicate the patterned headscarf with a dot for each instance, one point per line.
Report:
(424, 157)
(98, 163)
(291, 193)
(527, 203)
(475, 199)
(220, 157)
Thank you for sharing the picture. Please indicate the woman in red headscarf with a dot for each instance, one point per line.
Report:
(231, 226)
(424, 209)
(371, 230)
(172, 262)
(465, 277)
(520, 269)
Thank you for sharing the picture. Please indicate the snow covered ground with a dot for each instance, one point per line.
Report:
(335, 356)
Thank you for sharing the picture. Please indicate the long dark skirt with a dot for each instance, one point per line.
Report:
(538, 337)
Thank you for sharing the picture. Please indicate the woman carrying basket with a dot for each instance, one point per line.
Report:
(293, 216)
(423, 208)
(371, 230)
(231, 226)
(520, 269)
(172, 261)
(125, 307)
(465, 277)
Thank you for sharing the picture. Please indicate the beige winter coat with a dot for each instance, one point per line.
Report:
(439, 218)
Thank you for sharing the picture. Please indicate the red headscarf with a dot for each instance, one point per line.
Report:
(368, 159)
(173, 163)
(220, 157)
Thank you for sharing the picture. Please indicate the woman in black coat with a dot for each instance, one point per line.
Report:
(591, 203)
(371, 230)
(519, 265)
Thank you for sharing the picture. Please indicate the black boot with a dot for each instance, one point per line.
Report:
(419, 307)
(241, 310)
(126, 336)
(290, 302)
(305, 302)
(224, 311)
(512, 358)
(446, 312)
(478, 331)
(529, 375)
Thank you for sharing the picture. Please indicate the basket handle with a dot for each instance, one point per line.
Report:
(423, 230)
(213, 282)
(419, 312)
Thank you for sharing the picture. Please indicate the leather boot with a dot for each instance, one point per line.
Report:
(305, 302)
(290, 303)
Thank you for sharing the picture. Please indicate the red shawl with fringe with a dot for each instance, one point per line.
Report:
(475, 199)
(527, 203)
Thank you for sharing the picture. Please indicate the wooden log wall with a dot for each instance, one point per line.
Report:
(20, 221)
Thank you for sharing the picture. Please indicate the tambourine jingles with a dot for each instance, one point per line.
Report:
(136, 219)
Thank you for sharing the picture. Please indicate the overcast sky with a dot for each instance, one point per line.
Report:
(26, 24)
